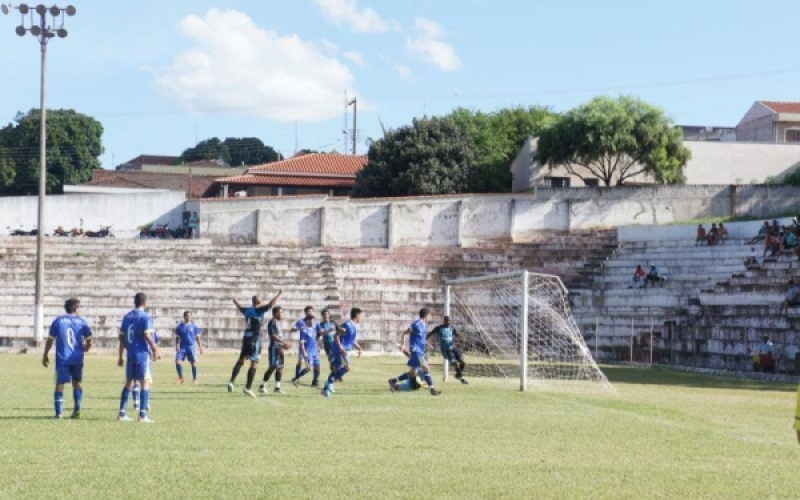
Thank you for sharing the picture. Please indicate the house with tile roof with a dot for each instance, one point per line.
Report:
(770, 121)
(329, 174)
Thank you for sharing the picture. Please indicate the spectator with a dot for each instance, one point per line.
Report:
(789, 240)
(194, 226)
(722, 235)
(776, 228)
(792, 297)
(763, 360)
(639, 277)
(762, 234)
(752, 259)
(701, 235)
(653, 276)
(771, 244)
(713, 234)
(766, 345)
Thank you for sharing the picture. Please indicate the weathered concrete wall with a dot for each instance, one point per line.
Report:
(485, 221)
(428, 222)
(290, 226)
(348, 225)
(125, 212)
(531, 217)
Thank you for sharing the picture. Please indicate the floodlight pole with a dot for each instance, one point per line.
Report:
(43, 33)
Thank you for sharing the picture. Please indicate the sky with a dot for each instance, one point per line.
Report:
(161, 75)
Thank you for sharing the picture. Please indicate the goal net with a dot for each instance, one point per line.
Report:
(520, 326)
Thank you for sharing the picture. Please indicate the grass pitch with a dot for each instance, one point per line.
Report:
(663, 435)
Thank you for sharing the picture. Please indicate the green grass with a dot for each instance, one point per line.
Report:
(664, 435)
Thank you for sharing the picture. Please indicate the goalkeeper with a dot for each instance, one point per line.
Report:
(447, 337)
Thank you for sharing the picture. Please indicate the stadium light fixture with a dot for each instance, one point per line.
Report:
(44, 23)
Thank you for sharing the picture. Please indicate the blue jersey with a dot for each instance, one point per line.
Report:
(187, 334)
(418, 338)
(348, 338)
(328, 329)
(134, 327)
(253, 319)
(308, 338)
(69, 332)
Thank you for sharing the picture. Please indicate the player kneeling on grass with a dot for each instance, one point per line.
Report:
(447, 337)
(187, 345)
(136, 336)
(307, 351)
(417, 342)
(72, 337)
(344, 342)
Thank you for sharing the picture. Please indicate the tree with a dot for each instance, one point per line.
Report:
(74, 144)
(498, 137)
(431, 156)
(209, 149)
(250, 151)
(615, 140)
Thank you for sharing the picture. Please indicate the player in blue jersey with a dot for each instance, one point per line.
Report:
(447, 345)
(136, 336)
(344, 341)
(300, 324)
(326, 331)
(308, 351)
(187, 346)
(277, 346)
(251, 341)
(417, 342)
(72, 337)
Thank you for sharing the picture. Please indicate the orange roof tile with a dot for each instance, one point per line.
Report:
(288, 180)
(315, 163)
(782, 107)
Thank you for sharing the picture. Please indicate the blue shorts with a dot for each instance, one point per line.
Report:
(313, 360)
(417, 360)
(68, 373)
(138, 371)
(340, 360)
(189, 353)
(276, 356)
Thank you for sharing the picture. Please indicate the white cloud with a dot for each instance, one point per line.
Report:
(356, 57)
(404, 71)
(347, 13)
(426, 43)
(330, 46)
(235, 66)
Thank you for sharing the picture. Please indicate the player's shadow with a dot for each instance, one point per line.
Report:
(667, 376)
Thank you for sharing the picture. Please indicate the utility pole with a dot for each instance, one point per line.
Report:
(34, 21)
(354, 102)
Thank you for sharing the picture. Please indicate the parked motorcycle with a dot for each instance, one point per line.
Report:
(104, 232)
(61, 232)
(22, 232)
(181, 233)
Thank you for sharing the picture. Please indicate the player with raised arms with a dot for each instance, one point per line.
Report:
(344, 341)
(136, 336)
(277, 346)
(251, 341)
(72, 337)
(417, 342)
(447, 337)
(308, 352)
(187, 346)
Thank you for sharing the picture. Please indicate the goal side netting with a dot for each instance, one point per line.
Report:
(530, 336)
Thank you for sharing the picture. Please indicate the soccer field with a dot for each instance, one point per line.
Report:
(664, 435)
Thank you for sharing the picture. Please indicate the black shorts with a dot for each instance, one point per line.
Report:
(452, 355)
(251, 349)
(276, 356)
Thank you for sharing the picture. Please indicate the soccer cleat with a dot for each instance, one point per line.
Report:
(231, 387)
(124, 418)
(295, 382)
(278, 390)
(436, 392)
(464, 381)
(145, 420)
(194, 382)
(250, 393)
(392, 384)
(180, 381)
(263, 389)
(326, 393)
(315, 384)
(75, 415)
(332, 390)
(57, 417)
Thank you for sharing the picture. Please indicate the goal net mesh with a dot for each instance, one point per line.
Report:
(487, 318)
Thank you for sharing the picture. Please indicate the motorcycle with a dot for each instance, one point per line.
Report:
(61, 232)
(104, 232)
(22, 232)
(181, 233)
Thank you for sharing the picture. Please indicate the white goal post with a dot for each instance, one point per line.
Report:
(519, 324)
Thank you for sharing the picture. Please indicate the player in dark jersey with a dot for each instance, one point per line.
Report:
(447, 345)
(276, 348)
(72, 337)
(326, 329)
(251, 342)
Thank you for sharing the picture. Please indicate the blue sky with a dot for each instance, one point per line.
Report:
(159, 74)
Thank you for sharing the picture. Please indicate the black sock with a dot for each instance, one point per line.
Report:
(316, 376)
(251, 374)
(236, 368)
(268, 374)
(278, 376)
(402, 377)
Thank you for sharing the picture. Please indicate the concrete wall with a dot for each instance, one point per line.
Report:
(688, 232)
(348, 225)
(125, 212)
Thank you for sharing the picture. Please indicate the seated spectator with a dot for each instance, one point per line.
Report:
(772, 244)
(701, 235)
(752, 259)
(653, 276)
(766, 345)
(762, 233)
(722, 234)
(792, 297)
(763, 359)
(639, 277)
(713, 234)
(776, 228)
(789, 241)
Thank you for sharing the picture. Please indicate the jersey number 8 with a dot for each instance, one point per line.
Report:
(70, 338)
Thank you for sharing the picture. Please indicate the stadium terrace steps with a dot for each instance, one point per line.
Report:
(389, 285)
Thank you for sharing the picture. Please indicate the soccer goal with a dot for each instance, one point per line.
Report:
(520, 325)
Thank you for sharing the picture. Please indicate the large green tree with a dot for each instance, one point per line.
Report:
(430, 156)
(234, 151)
(615, 140)
(209, 149)
(497, 138)
(74, 144)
